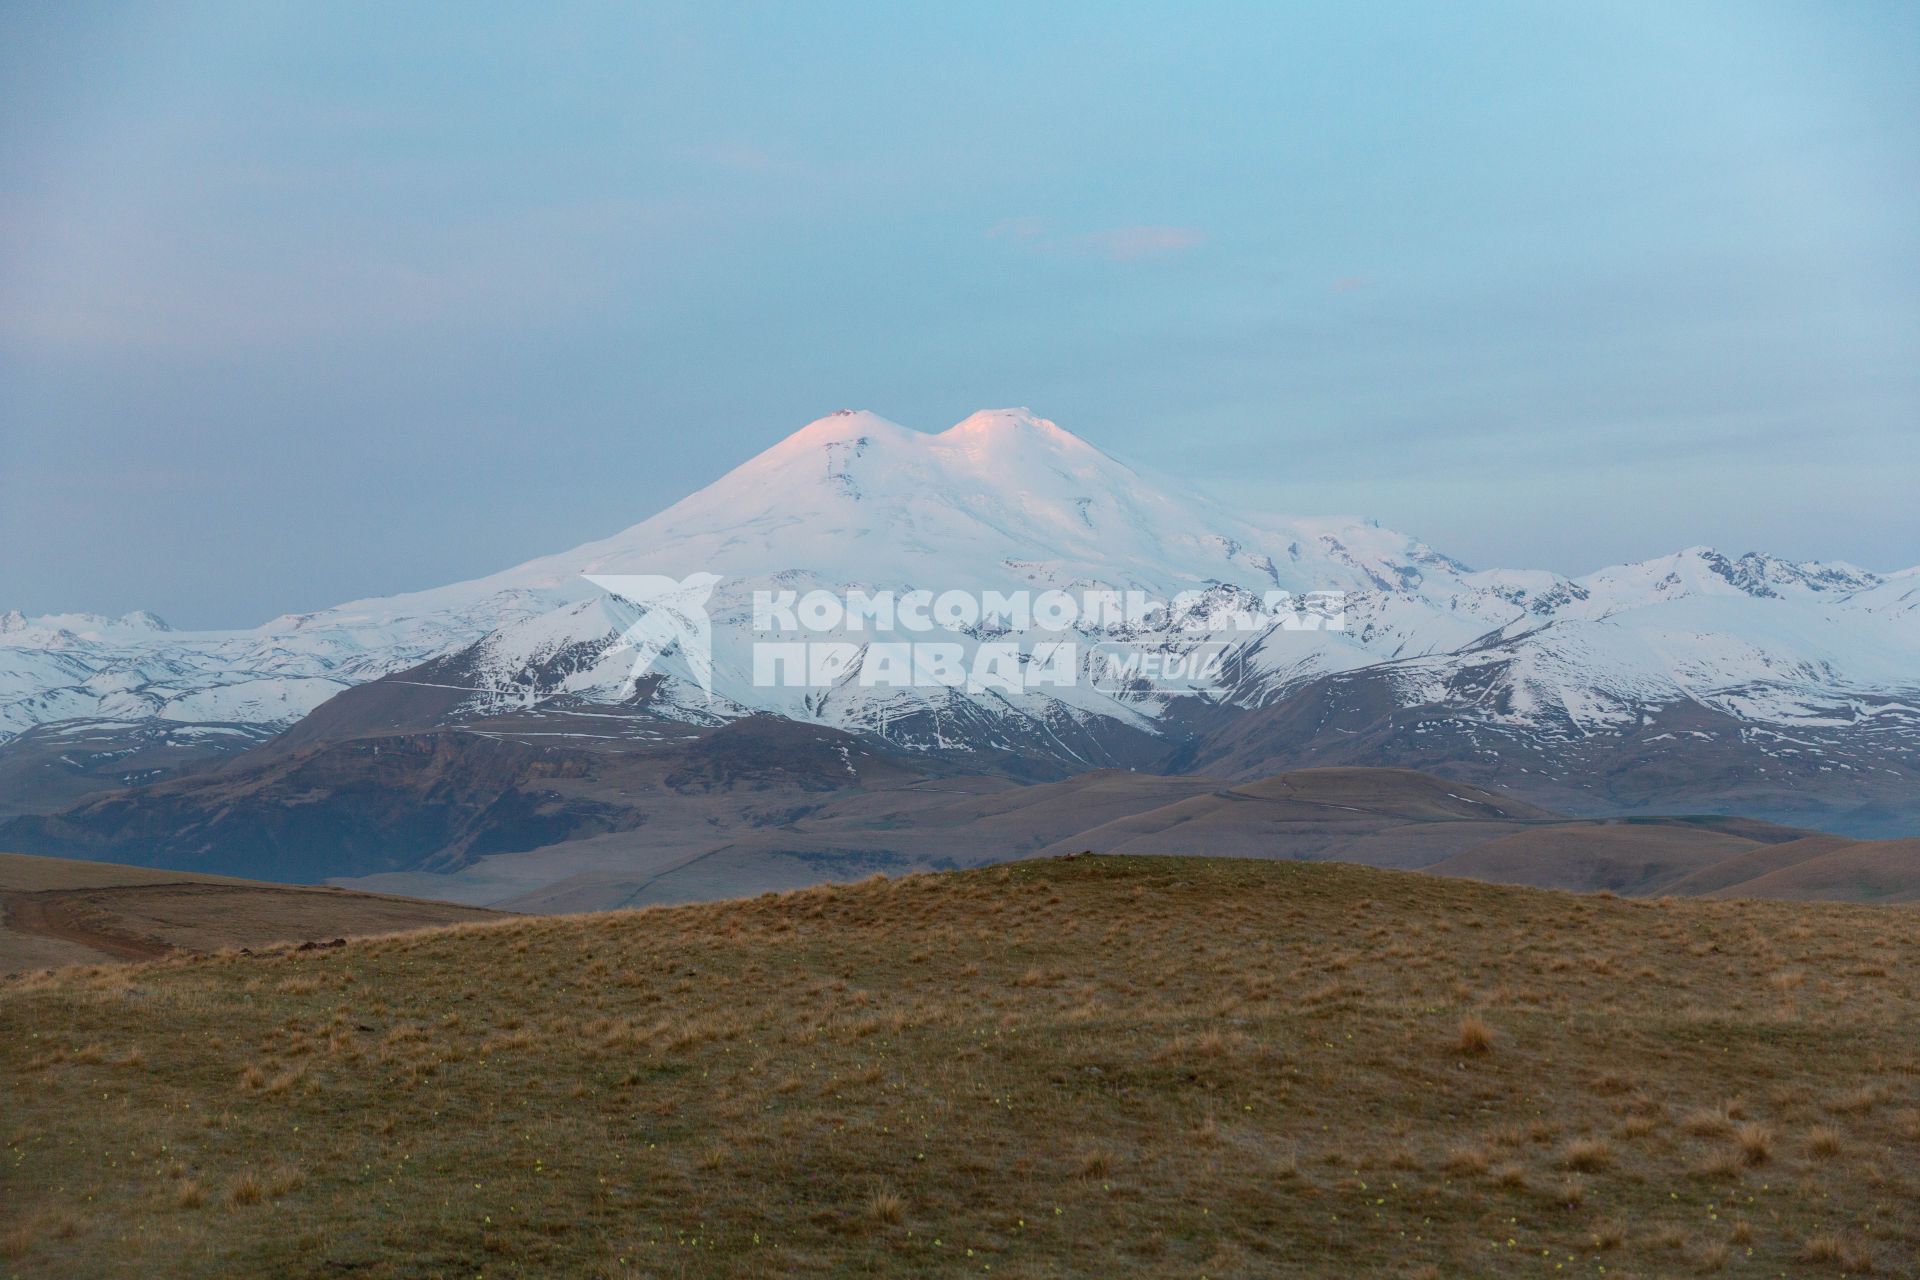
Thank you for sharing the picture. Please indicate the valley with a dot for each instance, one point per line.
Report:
(494, 816)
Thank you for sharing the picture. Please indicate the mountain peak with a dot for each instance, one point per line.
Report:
(1018, 425)
(843, 424)
(984, 427)
(1704, 570)
(991, 421)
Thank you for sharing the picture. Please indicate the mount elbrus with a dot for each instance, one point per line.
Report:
(1694, 682)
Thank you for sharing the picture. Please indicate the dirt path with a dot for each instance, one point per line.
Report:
(69, 917)
(41, 928)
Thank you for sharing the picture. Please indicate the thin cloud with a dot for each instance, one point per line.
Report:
(1116, 244)
(162, 287)
(1130, 244)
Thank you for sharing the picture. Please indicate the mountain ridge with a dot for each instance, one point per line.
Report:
(1764, 648)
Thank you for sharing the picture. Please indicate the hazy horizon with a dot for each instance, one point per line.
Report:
(298, 307)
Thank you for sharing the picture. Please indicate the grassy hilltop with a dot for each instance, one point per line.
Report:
(1088, 1066)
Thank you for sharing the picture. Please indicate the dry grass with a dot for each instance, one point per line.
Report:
(1839, 1251)
(1096, 1164)
(1714, 1120)
(1756, 1144)
(1474, 1036)
(1101, 1066)
(886, 1207)
(1588, 1155)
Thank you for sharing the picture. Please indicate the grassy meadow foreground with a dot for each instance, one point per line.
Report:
(1086, 1066)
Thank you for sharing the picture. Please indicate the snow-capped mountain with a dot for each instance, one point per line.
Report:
(1005, 501)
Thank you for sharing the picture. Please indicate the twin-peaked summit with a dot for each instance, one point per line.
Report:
(858, 499)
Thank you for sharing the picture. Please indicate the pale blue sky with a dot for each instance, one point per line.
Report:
(307, 302)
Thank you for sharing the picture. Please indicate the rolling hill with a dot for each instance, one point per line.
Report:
(1085, 1066)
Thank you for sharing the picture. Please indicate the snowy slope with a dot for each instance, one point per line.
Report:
(1007, 500)
(1760, 639)
(1003, 501)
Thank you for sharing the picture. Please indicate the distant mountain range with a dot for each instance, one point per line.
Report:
(1696, 682)
(766, 803)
